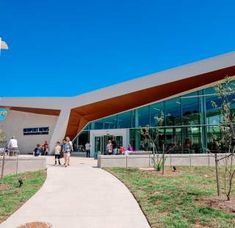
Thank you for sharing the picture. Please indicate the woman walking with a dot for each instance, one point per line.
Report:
(67, 149)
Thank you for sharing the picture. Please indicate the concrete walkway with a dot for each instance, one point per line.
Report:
(80, 195)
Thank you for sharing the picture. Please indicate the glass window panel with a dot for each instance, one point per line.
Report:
(135, 139)
(98, 124)
(155, 112)
(178, 140)
(173, 112)
(143, 116)
(81, 140)
(190, 109)
(173, 141)
(125, 120)
(158, 136)
(105, 123)
(192, 142)
(212, 113)
(110, 122)
(213, 132)
(169, 139)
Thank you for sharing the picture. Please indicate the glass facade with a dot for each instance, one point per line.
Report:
(187, 123)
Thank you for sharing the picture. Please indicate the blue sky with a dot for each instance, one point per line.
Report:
(65, 48)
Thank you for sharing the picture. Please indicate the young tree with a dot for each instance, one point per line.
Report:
(2, 145)
(150, 140)
(225, 91)
(2, 138)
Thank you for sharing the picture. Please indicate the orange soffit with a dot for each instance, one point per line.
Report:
(80, 116)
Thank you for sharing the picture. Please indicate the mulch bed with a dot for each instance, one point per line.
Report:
(4, 187)
(167, 172)
(36, 225)
(218, 203)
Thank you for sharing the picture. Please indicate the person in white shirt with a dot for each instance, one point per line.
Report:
(57, 153)
(87, 147)
(109, 147)
(12, 146)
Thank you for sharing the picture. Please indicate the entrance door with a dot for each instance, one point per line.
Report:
(102, 141)
(99, 143)
(99, 139)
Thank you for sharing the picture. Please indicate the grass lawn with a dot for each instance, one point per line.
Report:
(12, 196)
(177, 199)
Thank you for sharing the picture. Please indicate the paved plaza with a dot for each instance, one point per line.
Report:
(80, 195)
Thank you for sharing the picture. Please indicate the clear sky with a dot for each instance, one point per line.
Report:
(68, 47)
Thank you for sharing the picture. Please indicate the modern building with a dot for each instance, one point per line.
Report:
(180, 97)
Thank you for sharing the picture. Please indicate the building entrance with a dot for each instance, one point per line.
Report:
(99, 140)
(102, 141)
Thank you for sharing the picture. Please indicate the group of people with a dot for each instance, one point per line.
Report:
(113, 148)
(63, 150)
(41, 149)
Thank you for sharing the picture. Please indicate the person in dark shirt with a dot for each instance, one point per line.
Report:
(45, 148)
(114, 146)
(38, 150)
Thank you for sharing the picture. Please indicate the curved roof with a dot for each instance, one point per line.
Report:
(130, 94)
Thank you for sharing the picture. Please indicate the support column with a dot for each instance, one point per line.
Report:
(60, 129)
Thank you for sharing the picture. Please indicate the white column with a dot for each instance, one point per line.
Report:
(60, 129)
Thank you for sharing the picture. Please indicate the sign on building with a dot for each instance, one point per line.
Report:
(3, 114)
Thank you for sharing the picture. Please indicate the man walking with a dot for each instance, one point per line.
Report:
(87, 147)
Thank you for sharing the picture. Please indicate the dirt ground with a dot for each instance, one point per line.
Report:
(4, 187)
(218, 203)
(36, 225)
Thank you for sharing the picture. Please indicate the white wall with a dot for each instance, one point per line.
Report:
(17, 121)
(60, 128)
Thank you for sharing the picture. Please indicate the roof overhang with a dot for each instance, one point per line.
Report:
(130, 94)
(80, 116)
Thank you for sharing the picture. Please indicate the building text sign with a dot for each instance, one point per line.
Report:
(3, 114)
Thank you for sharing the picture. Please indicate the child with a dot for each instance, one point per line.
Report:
(57, 153)
(38, 150)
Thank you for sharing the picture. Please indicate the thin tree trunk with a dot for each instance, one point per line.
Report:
(3, 164)
(217, 175)
(163, 159)
(230, 185)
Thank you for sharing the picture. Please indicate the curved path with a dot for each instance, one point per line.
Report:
(80, 195)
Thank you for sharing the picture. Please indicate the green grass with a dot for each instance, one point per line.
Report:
(173, 200)
(12, 196)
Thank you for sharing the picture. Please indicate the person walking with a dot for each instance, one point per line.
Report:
(63, 149)
(87, 147)
(70, 142)
(12, 146)
(45, 148)
(57, 153)
(114, 146)
(68, 148)
(109, 148)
